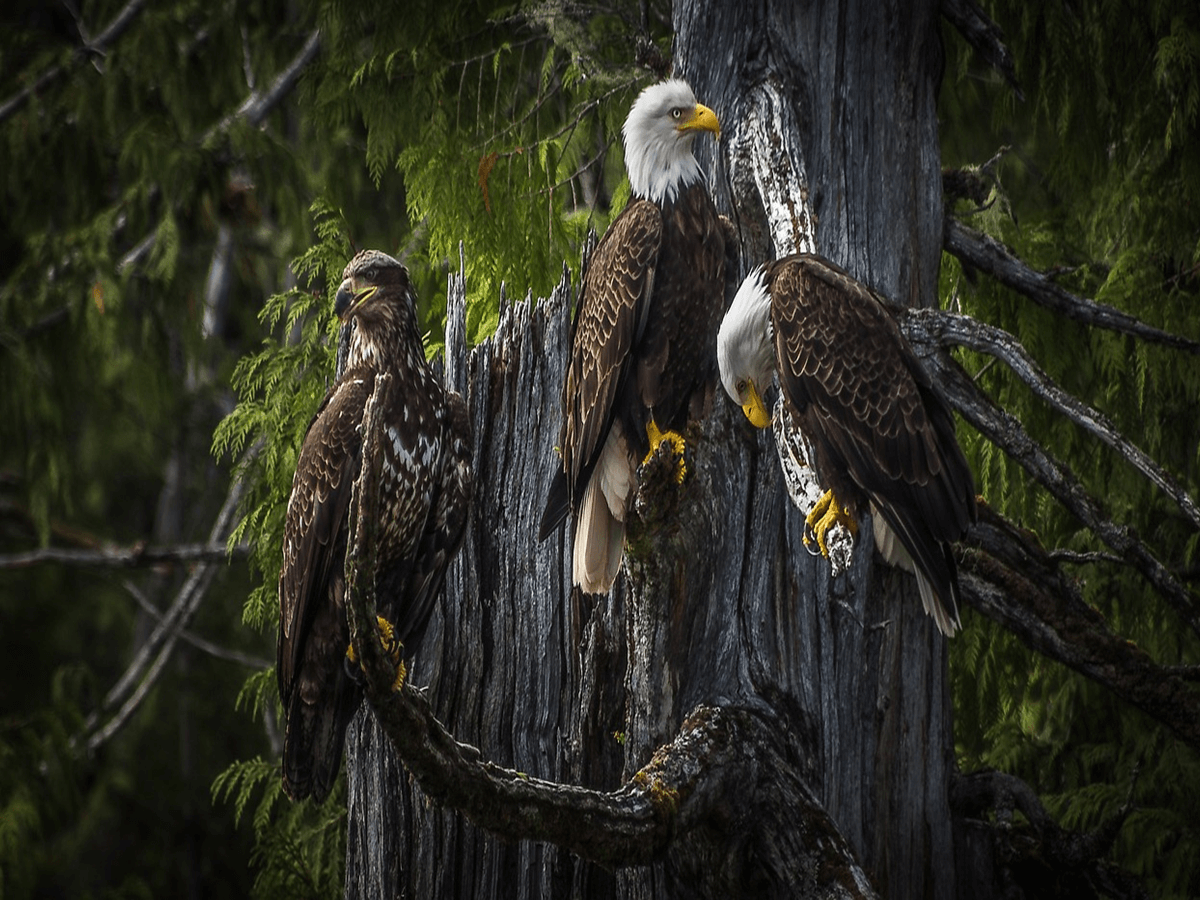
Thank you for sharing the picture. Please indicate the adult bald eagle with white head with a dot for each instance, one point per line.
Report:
(880, 435)
(641, 360)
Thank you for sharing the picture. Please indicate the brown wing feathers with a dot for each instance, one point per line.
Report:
(613, 305)
(425, 490)
(879, 429)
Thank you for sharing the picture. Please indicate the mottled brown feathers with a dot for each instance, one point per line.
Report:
(425, 490)
(641, 340)
(879, 430)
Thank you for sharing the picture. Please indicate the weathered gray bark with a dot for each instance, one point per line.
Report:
(829, 140)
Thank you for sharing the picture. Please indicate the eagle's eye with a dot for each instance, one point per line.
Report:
(372, 273)
(676, 113)
(741, 387)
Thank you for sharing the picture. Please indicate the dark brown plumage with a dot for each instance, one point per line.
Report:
(641, 340)
(425, 488)
(879, 431)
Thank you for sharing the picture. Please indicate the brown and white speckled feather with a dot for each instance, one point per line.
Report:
(425, 490)
(641, 339)
(880, 433)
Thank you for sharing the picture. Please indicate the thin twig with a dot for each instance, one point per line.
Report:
(143, 671)
(138, 555)
(206, 646)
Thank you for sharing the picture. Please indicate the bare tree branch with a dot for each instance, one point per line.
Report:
(96, 47)
(952, 328)
(985, 36)
(206, 646)
(1007, 432)
(258, 105)
(1052, 846)
(1006, 575)
(124, 557)
(989, 255)
(143, 671)
(253, 110)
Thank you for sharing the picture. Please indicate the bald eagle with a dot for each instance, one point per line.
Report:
(879, 433)
(425, 487)
(641, 361)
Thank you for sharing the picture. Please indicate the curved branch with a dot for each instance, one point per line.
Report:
(981, 252)
(1007, 432)
(953, 328)
(724, 772)
(96, 47)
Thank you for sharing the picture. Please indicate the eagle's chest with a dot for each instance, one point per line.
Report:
(411, 457)
(688, 302)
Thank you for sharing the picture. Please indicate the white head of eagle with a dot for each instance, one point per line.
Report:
(744, 352)
(658, 132)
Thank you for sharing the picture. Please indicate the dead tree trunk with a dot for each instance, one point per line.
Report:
(838, 687)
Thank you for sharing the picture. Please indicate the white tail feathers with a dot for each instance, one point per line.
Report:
(894, 552)
(600, 524)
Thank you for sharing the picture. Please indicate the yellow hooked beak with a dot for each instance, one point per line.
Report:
(347, 300)
(701, 119)
(755, 409)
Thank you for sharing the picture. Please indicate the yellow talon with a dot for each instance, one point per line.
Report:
(827, 513)
(678, 446)
(391, 646)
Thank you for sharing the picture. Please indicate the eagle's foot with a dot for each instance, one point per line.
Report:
(392, 646)
(676, 443)
(824, 516)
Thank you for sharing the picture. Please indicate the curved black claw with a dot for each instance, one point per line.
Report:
(811, 544)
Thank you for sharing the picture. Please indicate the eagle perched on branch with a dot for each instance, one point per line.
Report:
(880, 434)
(641, 358)
(425, 488)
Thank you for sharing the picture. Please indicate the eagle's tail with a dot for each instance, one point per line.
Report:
(933, 564)
(600, 521)
(313, 741)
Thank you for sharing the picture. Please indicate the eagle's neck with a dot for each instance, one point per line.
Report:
(385, 341)
(660, 167)
(744, 342)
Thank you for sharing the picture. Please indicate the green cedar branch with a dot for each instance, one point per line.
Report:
(89, 50)
(949, 328)
(1006, 431)
(135, 556)
(1009, 577)
(713, 772)
(253, 111)
(979, 251)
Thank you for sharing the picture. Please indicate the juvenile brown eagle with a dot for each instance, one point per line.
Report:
(649, 307)
(425, 487)
(878, 431)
